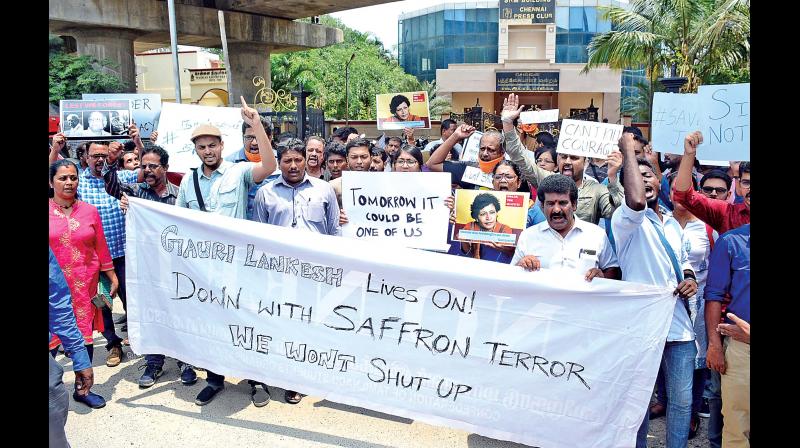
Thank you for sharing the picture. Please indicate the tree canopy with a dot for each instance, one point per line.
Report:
(72, 75)
(322, 71)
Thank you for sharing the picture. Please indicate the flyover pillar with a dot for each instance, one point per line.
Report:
(115, 44)
(248, 60)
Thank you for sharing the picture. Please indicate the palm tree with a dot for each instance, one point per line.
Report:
(699, 38)
(438, 105)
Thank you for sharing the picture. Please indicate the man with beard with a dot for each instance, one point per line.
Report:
(595, 201)
(315, 151)
(299, 201)
(335, 160)
(220, 186)
(250, 153)
(489, 155)
(91, 189)
(155, 164)
(650, 249)
(722, 216)
(379, 157)
(565, 241)
(359, 158)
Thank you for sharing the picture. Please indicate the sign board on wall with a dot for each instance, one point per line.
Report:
(537, 11)
(208, 76)
(527, 81)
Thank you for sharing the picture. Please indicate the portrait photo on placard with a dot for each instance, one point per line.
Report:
(490, 216)
(403, 110)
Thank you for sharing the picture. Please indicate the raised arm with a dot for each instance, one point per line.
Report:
(684, 180)
(59, 141)
(436, 161)
(513, 146)
(268, 162)
(633, 182)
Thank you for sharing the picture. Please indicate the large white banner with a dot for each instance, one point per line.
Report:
(179, 120)
(542, 358)
(404, 208)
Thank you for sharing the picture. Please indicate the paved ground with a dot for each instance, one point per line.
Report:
(165, 415)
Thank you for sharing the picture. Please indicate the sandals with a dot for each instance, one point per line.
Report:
(293, 397)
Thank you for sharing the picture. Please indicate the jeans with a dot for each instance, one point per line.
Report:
(59, 404)
(108, 318)
(119, 269)
(715, 421)
(158, 360)
(677, 363)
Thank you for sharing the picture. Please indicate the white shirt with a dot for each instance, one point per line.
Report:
(643, 259)
(570, 252)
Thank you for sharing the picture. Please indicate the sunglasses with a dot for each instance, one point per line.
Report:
(719, 190)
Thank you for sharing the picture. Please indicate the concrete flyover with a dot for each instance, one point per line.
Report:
(117, 29)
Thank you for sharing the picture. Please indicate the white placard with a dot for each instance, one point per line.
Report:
(674, 116)
(588, 138)
(403, 208)
(179, 120)
(471, 148)
(542, 358)
(145, 108)
(726, 125)
(474, 175)
(539, 116)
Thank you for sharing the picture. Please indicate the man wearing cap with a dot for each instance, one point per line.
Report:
(223, 187)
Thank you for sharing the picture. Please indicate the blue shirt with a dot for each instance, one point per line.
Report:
(62, 318)
(310, 205)
(92, 190)
(535, 215)
(729, 271)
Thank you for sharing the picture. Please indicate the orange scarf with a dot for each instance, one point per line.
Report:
(488, 167)
(252, 157)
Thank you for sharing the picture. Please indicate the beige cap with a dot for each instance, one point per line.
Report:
(206, 129)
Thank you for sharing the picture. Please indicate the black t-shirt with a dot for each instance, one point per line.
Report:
(456, 170)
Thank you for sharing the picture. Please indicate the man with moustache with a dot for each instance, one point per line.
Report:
(299, 201)
(250, 153)
(315, 151)
(489, 155)
(565, 241)
(722, 216)
(650, 248)
(91, 189)
(379, 158)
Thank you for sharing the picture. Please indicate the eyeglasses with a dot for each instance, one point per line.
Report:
(719, 190)
(744, 183)
(98, 156)
(541, 160)
(249, 138)
(406, 162)
(151, 166)
(504, 176)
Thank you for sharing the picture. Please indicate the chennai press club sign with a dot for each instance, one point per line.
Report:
(527, 81)
(537, 11)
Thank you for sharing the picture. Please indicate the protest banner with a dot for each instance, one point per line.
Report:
(95, 119)
(588, 138)
(469, 153)
(542, 358)
(726, 124)
(179, 120)
(674, 116)
(145, 108)
(403, 208)
(474, 175)
(403, 110)
(539, 116)
(490, 216)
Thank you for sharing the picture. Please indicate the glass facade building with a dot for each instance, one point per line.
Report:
(575, 28)
(451, 33)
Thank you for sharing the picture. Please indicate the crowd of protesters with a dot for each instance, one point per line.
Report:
(635, 217)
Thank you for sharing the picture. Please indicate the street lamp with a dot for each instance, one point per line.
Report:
(347, 90)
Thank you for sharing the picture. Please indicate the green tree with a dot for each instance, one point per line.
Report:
(705, 40)
(72, 75)
(373, 71)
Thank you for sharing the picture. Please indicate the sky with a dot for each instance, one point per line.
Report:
(381, 20)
